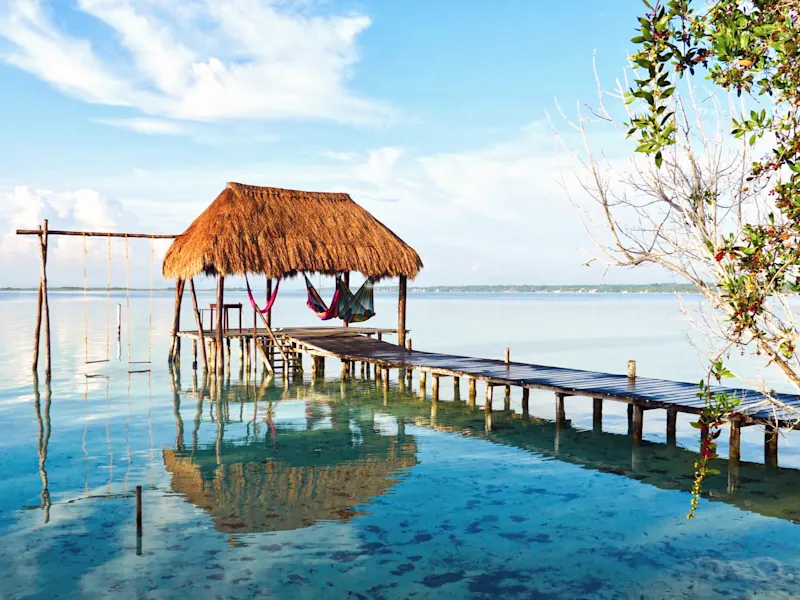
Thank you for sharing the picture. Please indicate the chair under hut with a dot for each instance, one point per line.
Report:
(280, 233)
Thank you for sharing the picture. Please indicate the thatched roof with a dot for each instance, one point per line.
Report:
(278, 233)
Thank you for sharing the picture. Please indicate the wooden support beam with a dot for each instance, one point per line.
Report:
(735, 445)
(457, 389)
(507, 399)
(220, 358)
(672, 426)
(346, 280)
(489, 397)
(435, 388)
(386, 378)
(43, 244)
(561, 413)
(771, 435)
(597, 415)
(508, 356)
(103, 234)
(344, 371)
(401, 311)
(175, 348)
(630, 418)
(199, 321)
(637, 424)
(631, 369)
(194, 354)
(423, 383)
(472, 392)
(526, 392)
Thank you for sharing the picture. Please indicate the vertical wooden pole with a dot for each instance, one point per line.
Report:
(268, 316)
(435, 388)
(487, 407)
(672, 426)
(345, 370)
(770, 446)
(220, 358)
(630, 419)
(386, 378)
(346, 280)
(43, 243)
(473, 393)
(401, 311)
(638, 424)
(631, 369)
(194, 354)
(139, 511)
(526, 393)
(37, 330)
(174, 353)
(508, 356)
(199, 321)
(561, 413)
(597, 415)
(507, 399)
(735, 446)
(457, 389)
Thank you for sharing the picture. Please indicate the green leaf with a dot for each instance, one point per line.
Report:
(659, 159)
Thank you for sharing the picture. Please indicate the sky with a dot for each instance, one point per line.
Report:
(131, 115)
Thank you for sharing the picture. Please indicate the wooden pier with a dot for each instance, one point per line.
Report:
(365, 345)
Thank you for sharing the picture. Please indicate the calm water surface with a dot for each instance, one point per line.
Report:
(300, 489)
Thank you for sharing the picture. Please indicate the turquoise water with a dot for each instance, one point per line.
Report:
(299, 489)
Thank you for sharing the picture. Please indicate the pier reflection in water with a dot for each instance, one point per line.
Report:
(327, 487)
(281, 477)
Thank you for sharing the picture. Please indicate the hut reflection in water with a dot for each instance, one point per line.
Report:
(288, 475)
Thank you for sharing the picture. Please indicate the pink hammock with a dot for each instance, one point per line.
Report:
(270, 302)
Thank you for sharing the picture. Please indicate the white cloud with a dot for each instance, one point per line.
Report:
(145, 125)
(198, 61)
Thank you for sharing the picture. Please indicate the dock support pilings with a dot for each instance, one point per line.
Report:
(771, 434)
(472, 392)
(487, 407)
(597, 415)
(672, 426)
(637, 424)
(561, 413)
(526, 392)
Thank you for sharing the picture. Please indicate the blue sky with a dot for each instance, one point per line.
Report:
(132, 115)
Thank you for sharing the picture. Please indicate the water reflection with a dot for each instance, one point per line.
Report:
(43, 441)
(275, 475)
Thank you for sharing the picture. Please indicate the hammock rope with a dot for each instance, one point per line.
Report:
(270, 301)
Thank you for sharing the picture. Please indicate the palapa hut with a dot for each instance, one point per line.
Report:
(280, 233)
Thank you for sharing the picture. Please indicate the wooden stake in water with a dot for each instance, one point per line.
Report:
(138, 520)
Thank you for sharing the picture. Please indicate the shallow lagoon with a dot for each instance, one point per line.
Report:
(302, 489)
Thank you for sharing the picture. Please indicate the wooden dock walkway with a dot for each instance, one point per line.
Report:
(362, 344)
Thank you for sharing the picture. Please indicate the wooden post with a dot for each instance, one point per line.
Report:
(199, 325)
(423, 383)
(735, 446)
(638, 424)
(672, 426)
(43, 243)
(770, 446)
(37, 330)
(194, 354)
(386, 378)
(344, 371)
(630, 418)
(220, 358)
(526, 394)
(487, 407)
(507, 399)
(472, 392)
(508, 356)
(561, 413)
(631, 369)
(174, 353)
(457, 389)
(268, 316)
(435, 388)
(597, 415)
(401, 311)
(139, 511)
(346, 280)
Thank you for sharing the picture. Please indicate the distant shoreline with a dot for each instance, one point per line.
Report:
(655, 288)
